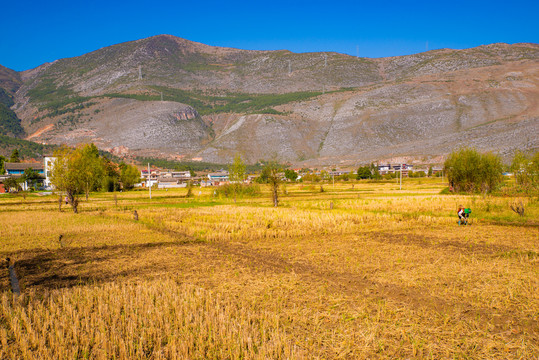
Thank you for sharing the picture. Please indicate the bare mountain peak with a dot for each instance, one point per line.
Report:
(171, 42)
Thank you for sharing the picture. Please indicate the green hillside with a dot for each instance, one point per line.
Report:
(27, 149)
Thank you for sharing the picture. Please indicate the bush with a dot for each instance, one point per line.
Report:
(468, 170)
(416, 174)
(311, 177)
(526, 171)
(241, 190)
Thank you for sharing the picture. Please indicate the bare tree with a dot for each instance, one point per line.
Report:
(271, 175)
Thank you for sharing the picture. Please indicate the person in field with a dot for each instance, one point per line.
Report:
(460, 212)
(463, 214)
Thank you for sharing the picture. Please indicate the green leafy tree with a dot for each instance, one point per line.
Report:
(468, 170)
(129, 176)
(291, 174)
(14, 158)
(90, 167)
(2, 161)
(11, 184)
(66, 176)
(526, 170)
(364, 172)
(375, 173)
(111, 178)
(430, 172)
(31, 177)
(237, 170)
(236, 174)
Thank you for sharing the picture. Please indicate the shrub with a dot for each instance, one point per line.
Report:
(468, 170)
(229, 190)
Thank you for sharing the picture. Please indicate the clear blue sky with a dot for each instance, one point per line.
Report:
(34, 32)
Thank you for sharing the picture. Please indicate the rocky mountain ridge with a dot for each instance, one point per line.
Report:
(166, 96)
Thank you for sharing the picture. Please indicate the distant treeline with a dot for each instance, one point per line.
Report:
(223, 103)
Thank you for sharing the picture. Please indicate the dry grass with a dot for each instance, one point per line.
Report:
(384, 274)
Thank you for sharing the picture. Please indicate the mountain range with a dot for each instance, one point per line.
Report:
(169, 97)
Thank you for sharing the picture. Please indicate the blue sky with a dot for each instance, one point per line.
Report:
(35, 32)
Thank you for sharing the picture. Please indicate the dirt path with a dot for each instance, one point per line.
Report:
(40, 131)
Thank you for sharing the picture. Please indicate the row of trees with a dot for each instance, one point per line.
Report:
(82, 170)
(467, 171)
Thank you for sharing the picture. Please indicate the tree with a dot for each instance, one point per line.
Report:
(2, 161)
(291, 174)
(11, 184)
(375, 173)
(430, 172)
(236, 174)
(110, 180)
(468, 170)
(14, 156)
(364, 172)
(66, 177)
(526, 170)
(31, 177)
(310, 177)
(129, 175)
(89, 165)
(271, 175)
(236, 171)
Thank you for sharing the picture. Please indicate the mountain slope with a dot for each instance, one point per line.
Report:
(311, 107)
(10, 82)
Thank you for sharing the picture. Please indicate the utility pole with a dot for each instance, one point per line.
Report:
(401, 177)
(150, 181)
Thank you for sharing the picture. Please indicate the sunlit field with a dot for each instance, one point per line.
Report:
(360, 270)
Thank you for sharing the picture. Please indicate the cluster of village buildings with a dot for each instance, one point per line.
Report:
(164, 179)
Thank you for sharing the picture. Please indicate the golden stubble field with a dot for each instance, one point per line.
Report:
(361, 270)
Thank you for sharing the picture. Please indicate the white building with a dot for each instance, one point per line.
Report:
(48, 163)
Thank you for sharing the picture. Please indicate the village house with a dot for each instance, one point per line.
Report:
(339, 172)
(186, 175)
(170, 183)
(218, 178)
(390, 169)
(16, 170)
